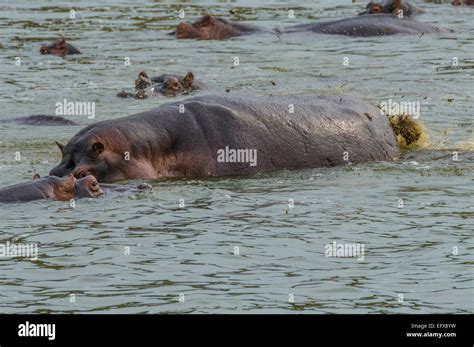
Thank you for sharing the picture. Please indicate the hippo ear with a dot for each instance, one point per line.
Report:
(98, 148)
(206, 20)
(189, 78)
(60, 146)
(36, 177)
(143, 74)
(61, 47)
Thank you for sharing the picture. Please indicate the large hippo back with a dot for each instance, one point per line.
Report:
(184, 138)
(288, 132)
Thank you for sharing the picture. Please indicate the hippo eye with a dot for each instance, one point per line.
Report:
(94, 185)
(82, 174)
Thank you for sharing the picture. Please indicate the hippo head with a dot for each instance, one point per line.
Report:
(173, 85)
(84, 157)
(186, 31)
(373, 8)
(58, 48)
(207, 28)
(68, 187)
(393, 7)
(88, 187)
(108, 152)
(198, 30)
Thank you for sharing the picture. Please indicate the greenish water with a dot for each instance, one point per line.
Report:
(183, 258)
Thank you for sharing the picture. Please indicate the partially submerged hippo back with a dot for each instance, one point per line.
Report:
(59, 47)
(392, 6)
(376, 25)
(166, 142)
(51, 187)
(212, 28)
(40, 120)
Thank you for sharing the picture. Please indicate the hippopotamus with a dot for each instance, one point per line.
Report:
(393, 7)
(460, 2)
(59, 47)
(212, 28)
(219, 135)
(40, 120)
(52, 187)
(376, 25)
(167, 84)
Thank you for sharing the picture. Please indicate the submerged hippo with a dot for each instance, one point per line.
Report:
(59, 47)
(376, 25)
(51, 187)
(217, 135)
(212, 28)
(168, 84)
(40, 120)
(393, 7)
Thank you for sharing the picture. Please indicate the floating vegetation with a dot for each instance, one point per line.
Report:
(410, 132)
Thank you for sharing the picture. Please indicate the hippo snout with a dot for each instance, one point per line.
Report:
(88, 187)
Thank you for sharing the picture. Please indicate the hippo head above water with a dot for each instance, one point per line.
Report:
(460, 2)
(68, 187)
(393, 7)
(95, 151)
(211, 28)
(167, 84)
(51, 187)
(59, 47)
(174, 85)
